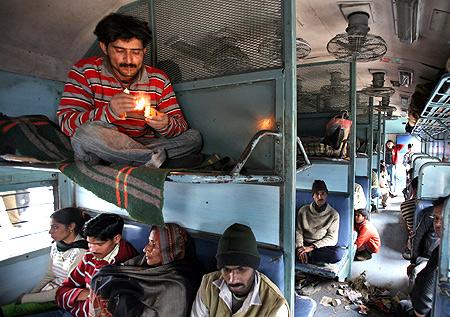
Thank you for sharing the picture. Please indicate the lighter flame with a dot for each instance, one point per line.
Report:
(140, 104)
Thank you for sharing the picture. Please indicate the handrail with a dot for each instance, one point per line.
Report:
(249, 149)
(305, 156)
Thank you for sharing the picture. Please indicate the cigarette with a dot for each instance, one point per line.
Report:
(123, 116)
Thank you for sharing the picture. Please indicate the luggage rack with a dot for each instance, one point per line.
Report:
(434, 121)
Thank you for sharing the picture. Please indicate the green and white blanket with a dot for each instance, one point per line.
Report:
(139, 190)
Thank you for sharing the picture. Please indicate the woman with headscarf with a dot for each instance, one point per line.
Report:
(161, 282)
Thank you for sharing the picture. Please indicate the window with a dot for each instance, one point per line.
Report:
(24, 220)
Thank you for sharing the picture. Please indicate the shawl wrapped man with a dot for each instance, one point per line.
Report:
(137, 288)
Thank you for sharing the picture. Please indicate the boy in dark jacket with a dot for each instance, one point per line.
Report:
(424, 242)
(422, 293)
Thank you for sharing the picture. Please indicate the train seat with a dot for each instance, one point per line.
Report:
(364, 182)
(339, 270)
(272, 261)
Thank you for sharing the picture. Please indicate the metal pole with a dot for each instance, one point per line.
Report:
(352, 165)
(287, 190)
(379, 149)
(370, 149)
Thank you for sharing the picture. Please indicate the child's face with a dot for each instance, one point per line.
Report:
(101, 249)
(359, 218)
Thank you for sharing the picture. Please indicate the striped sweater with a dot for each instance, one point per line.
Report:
(60, 265)
(90, 87)
(80, 279)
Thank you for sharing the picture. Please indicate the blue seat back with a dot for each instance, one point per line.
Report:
(137, 234)
(272, 262)
(364, 182)
(340, 202)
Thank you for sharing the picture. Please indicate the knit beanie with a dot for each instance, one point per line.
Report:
(319, 185)
(237, 247)
(363, 212)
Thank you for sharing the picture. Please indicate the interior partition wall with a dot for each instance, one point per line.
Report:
(232, 65)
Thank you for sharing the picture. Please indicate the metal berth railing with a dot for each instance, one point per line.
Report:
(434, 121)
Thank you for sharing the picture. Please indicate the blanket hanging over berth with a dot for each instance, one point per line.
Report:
(139, 190)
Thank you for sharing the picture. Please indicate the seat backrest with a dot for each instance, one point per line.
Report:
(272, 261)
(364, 182)
(136, 234)
(340, 202)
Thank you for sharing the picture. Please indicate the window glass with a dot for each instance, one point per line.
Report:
(24, 220)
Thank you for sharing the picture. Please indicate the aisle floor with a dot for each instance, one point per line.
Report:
(386, 269)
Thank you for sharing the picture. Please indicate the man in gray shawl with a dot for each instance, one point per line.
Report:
(161, 282)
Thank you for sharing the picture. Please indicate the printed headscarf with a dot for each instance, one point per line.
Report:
(173, 241)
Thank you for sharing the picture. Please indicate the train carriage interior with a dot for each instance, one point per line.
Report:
(283, 92)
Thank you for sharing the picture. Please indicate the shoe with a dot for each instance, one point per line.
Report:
(363, 255)
(158, 157)
(384, 206)
(392, 195)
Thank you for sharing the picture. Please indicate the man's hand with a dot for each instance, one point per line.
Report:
(122, 103)
(83, 295)
(159, 121)
(302, 253)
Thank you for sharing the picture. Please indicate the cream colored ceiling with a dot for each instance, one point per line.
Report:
(320, 20)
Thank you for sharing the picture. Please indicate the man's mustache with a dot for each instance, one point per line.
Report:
(235, 285)
(128, 65)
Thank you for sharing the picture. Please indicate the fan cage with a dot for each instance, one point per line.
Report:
(378, 92)
(364, 48)
(317, 93)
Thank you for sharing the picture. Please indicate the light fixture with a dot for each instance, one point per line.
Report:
(406, 19)
(405, 77)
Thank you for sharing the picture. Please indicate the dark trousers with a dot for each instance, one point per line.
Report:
(326, 255)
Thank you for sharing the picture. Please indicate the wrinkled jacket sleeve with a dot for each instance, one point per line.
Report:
(422, 293)
(73, 285)
(169, 105)
(420, 232)
(199, 309)
(77, 103)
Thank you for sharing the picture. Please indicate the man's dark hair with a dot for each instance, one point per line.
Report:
(120, 26)
(440, 201)
(104, 227)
